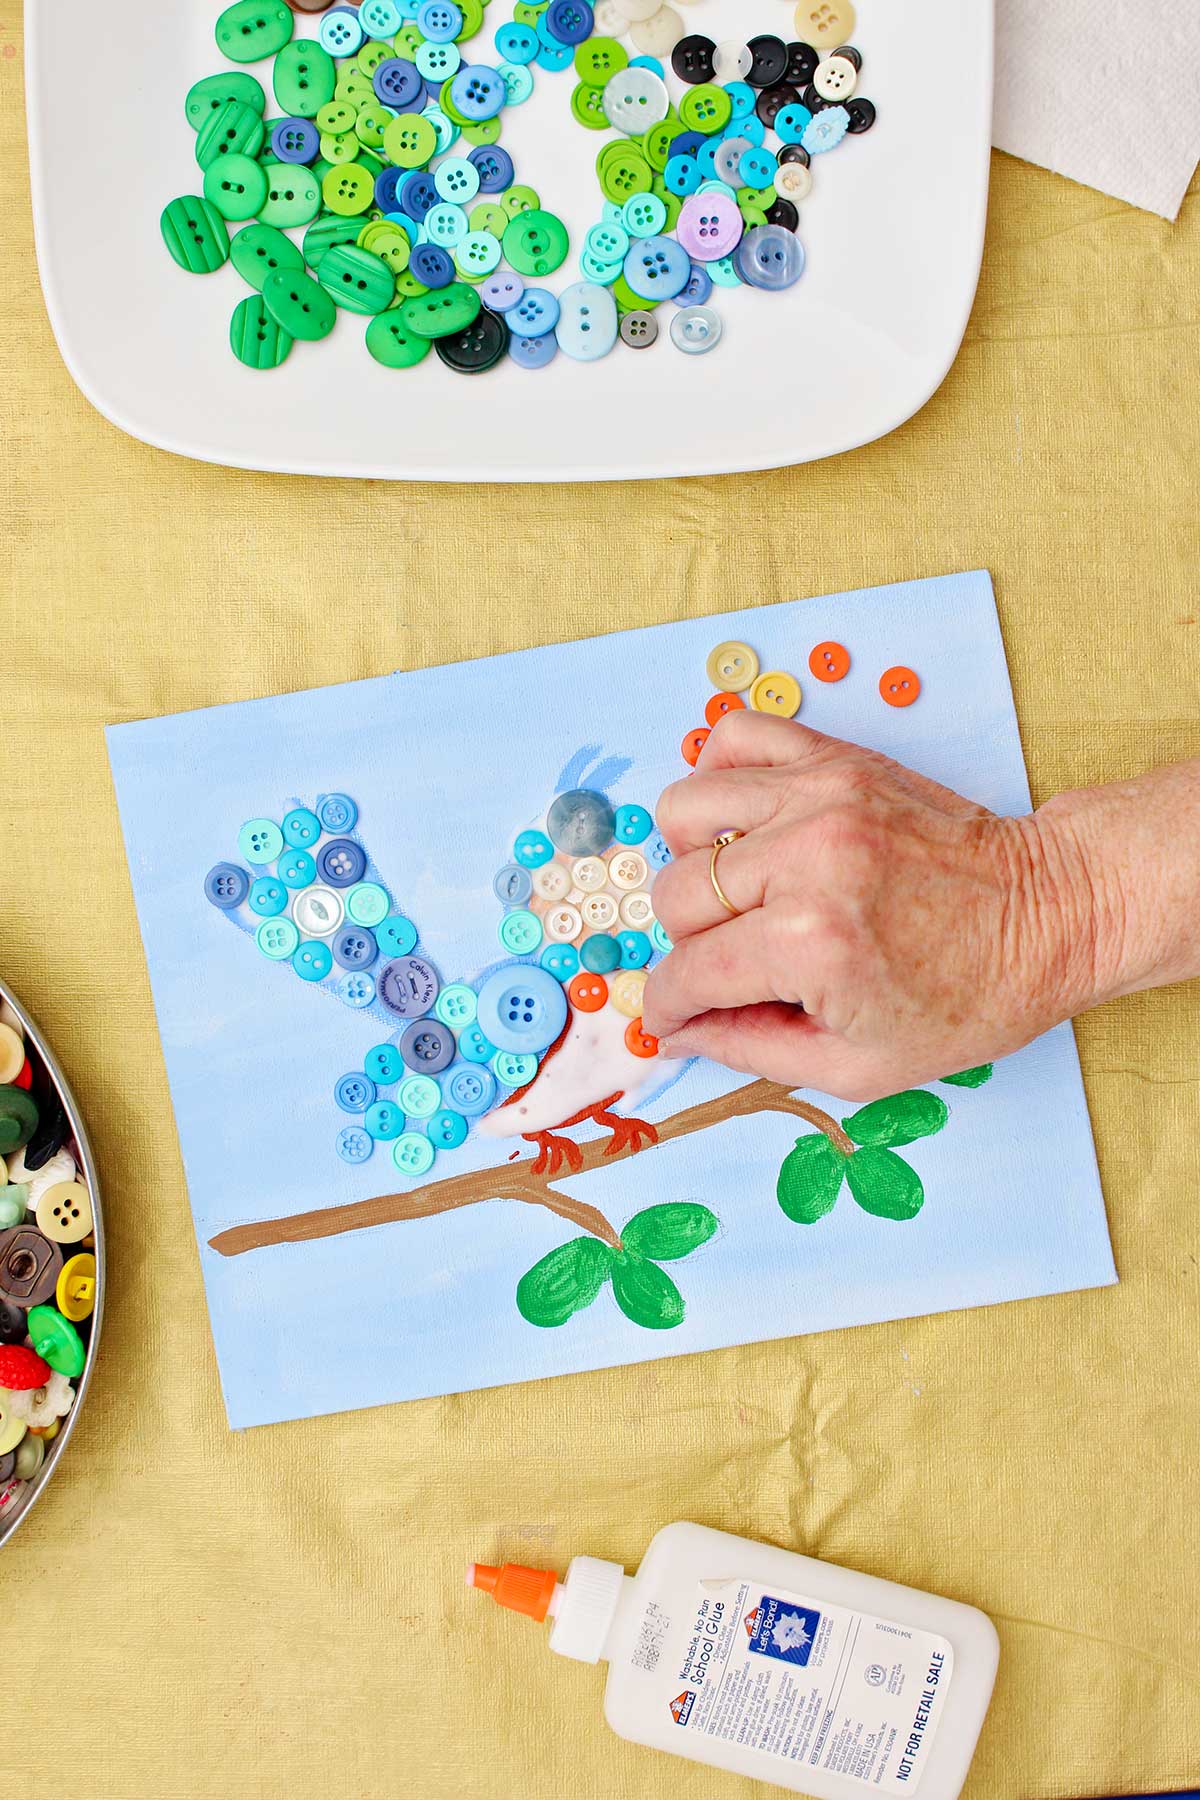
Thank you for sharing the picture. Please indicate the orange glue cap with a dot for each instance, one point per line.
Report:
(521, 1590)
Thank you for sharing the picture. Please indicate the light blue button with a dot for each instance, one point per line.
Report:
(535, 313)
(633, 826)
(754, 131)
(438, 62)
(380, 18)
(520, 932)
(447, 131)
(301, 828)
(656, 268)
(522, 1009)
(474, 1046)
(439, 20)
(769, 257)
(340, 32)
(384, 1063)
(722, 273)
(446, 225)
(354, 1093)
(513, 1071)
(791, 123)
(277, 938)
(471, 1091)
(456, 180)
(312, 961)
(420, 1096)
(513, 885)
(553, 56)
(648, 62)
(757, 168)
(645, 215)
(396, 935)
(260, 841)
(533, 352)
(826, 129)
(587, 323)
(600, 954)
(354, 1145)
(660, 939)
(268, 897)
(479, 92)
(682, 175)
(608, 242)
(337, 813)
(562, 960)
(656, 852)
(413, 1154)
(517, 43)
(532, 848)
(356, 989)
(518, 83)
(456, 1006)
(604, 274)
(384, 1120)
(635, 949)
(296, 868)
(446, 1130)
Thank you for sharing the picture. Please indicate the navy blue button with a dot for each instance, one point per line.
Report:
(341, 862)
(428, 1047)
(353, 1144)
(581, 822)
(387, 189)
(600, 954)
(384, 1063)
(522, 1008)
(494, 166)
(432, 265)
(418, 195)
(471, 1090)
(397, 81)
(355, 947)
(687, 143)
(268, 897)
(337, 812)
(354, 1093)
(295, 140)
(570, 21)
(226, 886)
(533, 352)
(513, 885)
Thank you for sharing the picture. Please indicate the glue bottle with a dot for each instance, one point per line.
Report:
(770, 1664)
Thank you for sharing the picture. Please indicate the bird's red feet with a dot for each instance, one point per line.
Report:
(553, 1152)
(627, 1134)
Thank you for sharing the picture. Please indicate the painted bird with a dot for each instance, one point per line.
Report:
(546, 1039)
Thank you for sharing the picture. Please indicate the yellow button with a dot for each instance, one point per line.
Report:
(64, 1212)
(625, 990)
(12, 1429)
(732, 667)
(76, 1291)
(12, 1054)
(776, 693)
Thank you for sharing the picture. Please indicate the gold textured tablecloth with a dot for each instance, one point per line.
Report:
(191, 1614)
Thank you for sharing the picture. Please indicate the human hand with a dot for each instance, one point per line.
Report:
(920, 933)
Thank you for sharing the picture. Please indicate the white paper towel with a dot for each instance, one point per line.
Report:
(1105, 91)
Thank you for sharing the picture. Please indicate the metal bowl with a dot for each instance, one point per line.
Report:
(85, 1159)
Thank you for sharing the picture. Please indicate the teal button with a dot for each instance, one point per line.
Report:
(260, 841)
(301, 828)
(367, 903)
(513, 1070)
(448, 1130)
(474, 1047)
(532, 849)
(384, 1120)
(277, 938)
(296, 869)
(312, 961)
(456, 1006)
(419, 1096)
(600, 954)
(520, 931)
(661, 941)
(412, 1154)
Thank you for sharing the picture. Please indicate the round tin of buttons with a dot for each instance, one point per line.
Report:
(50, 1086)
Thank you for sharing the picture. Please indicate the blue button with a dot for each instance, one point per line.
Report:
(294, 140)
(354, 1144)
(522, 1008)
(744, 99)
(474, 1046)
(340, 32)
(501, 290)
(770, 257)
(384, 1119)
(446, 1130)
(532, 849)
(570, 21)
(354, 947)
(384, 1063)
(581, 821)
(562, 960)
(533, 352)
(535, 313)
(633, 825)
(636, 949)
(337, 812)
(550, 54)
(301, 828)
(418, 196)
(428, 1047)
(495, 167)
(656, 851)
(754, 132)
(312, 961)
(268, 897)
(439, 20)
(396, 935)
(296, 869)
(354, 1093)
(656, 268)
(682, 175)
(397, 82)
(356, 990)
(600, 954)
(791, 123)
(431, 265)
(513, 885)
(387, 189)
(648, 62)
(471, 1091)
(757, 168)
(479, 92)
(227, 886)
(687, 143)
(341, 862)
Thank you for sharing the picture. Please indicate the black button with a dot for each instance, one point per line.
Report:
(851, 55)
(476, 349)
(770, 61)
(795, 153)
(802, 63)
(862, 114)
(816, 102)
(783, 213)
(51, 1131)
(771, 102)
(14, 1326)
(692, 59)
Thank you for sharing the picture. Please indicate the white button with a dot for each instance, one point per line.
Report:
(8, 1016)
(732, 61)
(590, 874)
(318, 910)
(637, 910)
(728, 158)
(635, 99)
(793, 180)
(41, 1406)
(658, 36)
(562, 924)
(599, 911)
(61, 1167)
(628, 870)
(610, 21)
(551, 881)
(631, 10)
(575, 897)
(64, 1212)
(696, 330)
(836, 78)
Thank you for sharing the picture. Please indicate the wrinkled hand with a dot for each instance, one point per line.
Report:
(920, 933)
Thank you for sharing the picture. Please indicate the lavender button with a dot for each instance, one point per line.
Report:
(408, 986)
(709, 226)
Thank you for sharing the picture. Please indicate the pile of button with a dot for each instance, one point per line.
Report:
(733, 669)
(578, 926)
(47, 1265)
(434, 247)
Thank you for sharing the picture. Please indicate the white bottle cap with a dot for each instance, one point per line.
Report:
(584, 1607)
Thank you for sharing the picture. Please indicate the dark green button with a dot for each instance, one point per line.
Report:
(258, 250)
(235, 130)
(393, 342)
(299, 304)
(360, 282)
(478, 348)
(442, 311)
(194, 232)
(255, 338)
(18, 1119)
(252, 29)
(215, 91)
(304, 77)
(324, 233)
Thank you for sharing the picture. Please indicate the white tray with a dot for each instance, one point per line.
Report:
(893, 231)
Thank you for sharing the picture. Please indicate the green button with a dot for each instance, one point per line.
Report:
(536, 243)
(257, 341)
(335, 118)
(656, 143)
(520, 931)
(371, 122)
(323, 234)
(482, 131)
(299, 304)
(236, 186)
(371, 55)
(252, 29)
(442, 311)
(394, 343)
(519, 199)
(587, 105)
(384, 239)
(456, 1006)
(413, 1154)
(408, 41)
(706, 108)
(348, 190)
(56, 1340)
(256, 251)
(235, 130)
(623, 174)
(14, 1203)
(472, 19)
(18, 1119)
(304, 77)
(487, 216)
(215, 91)
(360, 282)
(410, 140)
(339, 147)
(194, 232)
(599, 59)
(293, 196)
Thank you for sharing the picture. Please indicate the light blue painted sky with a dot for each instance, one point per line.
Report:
(446, 766)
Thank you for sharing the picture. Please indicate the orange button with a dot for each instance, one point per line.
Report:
(693, 744)
(638, 1041)
(588, 993)
(899, 686)
(720, 704)
(829, 662)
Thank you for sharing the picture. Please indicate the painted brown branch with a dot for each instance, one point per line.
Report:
(518, 1182)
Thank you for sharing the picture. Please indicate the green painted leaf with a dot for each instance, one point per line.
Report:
(644, 1293)
(971, 1078)
(668, 1232)
(885, 1185)
(565, 1281)
(902, 1119)
(810, 1179)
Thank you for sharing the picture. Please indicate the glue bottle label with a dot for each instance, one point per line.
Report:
(822, 1687)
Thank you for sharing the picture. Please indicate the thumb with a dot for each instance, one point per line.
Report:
(775, 1041)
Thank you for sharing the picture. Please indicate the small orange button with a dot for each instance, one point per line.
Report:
(638, 1041)
(720, 704)
(829, 662)
(693, 744)
(588, 993)
(899, 686)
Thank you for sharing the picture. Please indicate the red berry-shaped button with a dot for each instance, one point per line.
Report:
(21, 1369)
